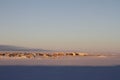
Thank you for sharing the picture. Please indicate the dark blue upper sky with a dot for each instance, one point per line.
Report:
(61, 24)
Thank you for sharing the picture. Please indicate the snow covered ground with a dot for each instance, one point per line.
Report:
(63, 61)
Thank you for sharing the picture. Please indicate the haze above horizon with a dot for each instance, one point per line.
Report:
(61, 24)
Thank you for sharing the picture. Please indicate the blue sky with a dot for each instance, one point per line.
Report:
(61, 24)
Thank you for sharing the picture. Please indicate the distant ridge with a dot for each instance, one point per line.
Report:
(17, 48)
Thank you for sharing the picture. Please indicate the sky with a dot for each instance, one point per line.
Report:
(61, 24)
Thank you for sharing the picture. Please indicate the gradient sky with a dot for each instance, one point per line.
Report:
(61, 24)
